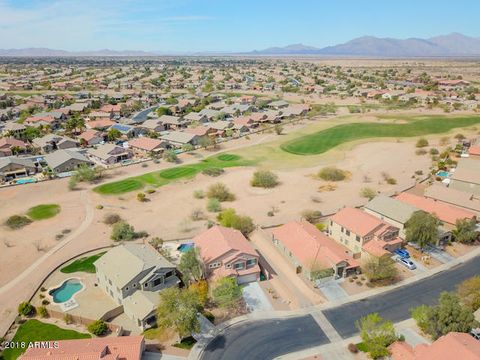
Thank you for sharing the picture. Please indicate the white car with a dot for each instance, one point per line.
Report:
(407, 263)
(475, 333)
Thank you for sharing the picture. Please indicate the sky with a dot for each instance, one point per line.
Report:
(187, 26)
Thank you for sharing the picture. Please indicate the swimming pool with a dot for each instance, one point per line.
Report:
(65, 292)
(25, 181)
(443, 173)
(185, 247)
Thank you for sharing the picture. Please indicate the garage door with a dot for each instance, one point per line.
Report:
(246, 278)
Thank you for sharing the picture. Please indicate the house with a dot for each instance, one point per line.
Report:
(454, 345)
(91, 137)
(13, 167)
(10, 146)
(109, 154)
(226, 252)
(453, 197)
(114, 348)
(61, 161)
(52, 142)
(311, 252)
(146, 145)
(363, 234)
(125, 130)
(14, 129)
(392, 211)
(278, 104)
(195, 116)
(178, 138)
(172, 122)
(467, 177)
(446, 213)
(210, 114)
(201, 130)
(137, 286)
(155, 125)
(101, 124)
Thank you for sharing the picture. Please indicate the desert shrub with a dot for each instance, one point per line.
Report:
(214, 172)
(264, 179)
(26, 309)
(42, 311)
(141, 197)
(433, 151)
(122, 231)
(111, 219)
(229, 218)
(419, 172)
(312, 216)
(420, 152)
(352, 348)
(197, 215)
(170, 156)
(68, 319)
(332, 174)
(214, 205)
(198, 194)
(98, 328)
(150, 191)
(320, 226)
(15, 222)
(391, 181)
(368, 193)
(421, 143)
(45, 302)
(99, 207)
(220, 192)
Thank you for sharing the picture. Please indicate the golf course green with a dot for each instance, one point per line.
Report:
(163, 177)
(324, 140)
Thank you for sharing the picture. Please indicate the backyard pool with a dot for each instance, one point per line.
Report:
(66, 290)
(442, 173)
(185, 247)
(25, 181)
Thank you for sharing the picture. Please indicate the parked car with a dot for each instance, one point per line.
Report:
(475, 333)
(407, 263)
(402, 253)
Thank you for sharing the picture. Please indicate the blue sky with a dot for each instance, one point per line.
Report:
(224, 25)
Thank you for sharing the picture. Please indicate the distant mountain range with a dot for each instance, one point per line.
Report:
(447, 45)
(44, 52)
(454, 44)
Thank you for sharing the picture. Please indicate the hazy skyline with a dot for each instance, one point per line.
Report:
(222, 25)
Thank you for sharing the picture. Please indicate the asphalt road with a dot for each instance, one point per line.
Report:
(266, 339)
(395, 305)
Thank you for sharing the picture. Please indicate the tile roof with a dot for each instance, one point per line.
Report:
(357, 221)
(446, 213)
(145, 143)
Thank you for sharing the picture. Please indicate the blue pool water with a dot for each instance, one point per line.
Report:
(66, 291)
(443, 173)
(185, 247)
(25, 181)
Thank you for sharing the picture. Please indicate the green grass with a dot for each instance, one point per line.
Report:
(44, 211)
(34, 330)
(324, 140)
(84, 264)
(362, 347)
(163, 177)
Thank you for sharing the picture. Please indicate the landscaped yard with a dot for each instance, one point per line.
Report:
(160, 178)
(324, 140)
(44, 211)
(34, 330)
(84, 264)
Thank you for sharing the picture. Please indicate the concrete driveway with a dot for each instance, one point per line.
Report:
(333, 291)
(255, 298)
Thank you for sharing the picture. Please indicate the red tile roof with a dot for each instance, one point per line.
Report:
(116, 348)
(309, 245)
(446, 213)
(454, 345)
(474, 150)
(357, 221)
(145, 143)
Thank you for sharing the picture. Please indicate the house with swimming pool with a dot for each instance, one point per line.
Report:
(133, 276)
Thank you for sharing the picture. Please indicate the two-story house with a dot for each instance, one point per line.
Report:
(133, 275)
(363, 234)
(226, 252)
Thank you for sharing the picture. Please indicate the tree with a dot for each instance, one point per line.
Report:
(332, 174)
(368, 193)
(449, 315)
(421, 315)
(122, 231)
(187, 147)
(26, 309)
(312, 216)
(380, 269)
(98, 328)
(220, 192)
(422, 228)
(229, 218)
(170, 156)
(206, 141)
(377, 334)
(213, 205)
(178, 309)
(278, 129)
(264, 178)
(163, 111)
(227, 293)
(469, 293)
(465, 231)
(191, 266)
(201, 289)
(113, 134)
